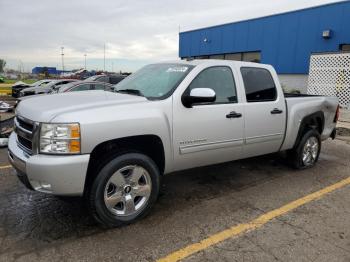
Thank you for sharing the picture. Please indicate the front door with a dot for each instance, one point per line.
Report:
(212, 132)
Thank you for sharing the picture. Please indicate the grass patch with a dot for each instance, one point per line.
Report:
(5, 86)
(5, 89)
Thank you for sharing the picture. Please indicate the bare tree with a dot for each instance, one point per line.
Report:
(2, 65)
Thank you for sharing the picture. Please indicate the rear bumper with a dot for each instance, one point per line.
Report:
(58, 175)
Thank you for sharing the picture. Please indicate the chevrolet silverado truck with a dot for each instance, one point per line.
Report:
(114, 147)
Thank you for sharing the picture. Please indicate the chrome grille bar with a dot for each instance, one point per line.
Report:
(26, 131)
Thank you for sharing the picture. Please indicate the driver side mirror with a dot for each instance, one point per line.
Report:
(198, 96)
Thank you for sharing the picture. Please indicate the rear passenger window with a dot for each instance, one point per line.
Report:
(259, 85)
(82, 87)
(100, 86)
(220, 79)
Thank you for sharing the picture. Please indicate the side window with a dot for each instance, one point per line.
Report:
(82, 87)
(259, 85)
(220, 79)
(60, 83)
(100, 86)
(115, 80)
(103, 79)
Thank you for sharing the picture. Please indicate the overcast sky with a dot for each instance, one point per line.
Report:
(135, 32)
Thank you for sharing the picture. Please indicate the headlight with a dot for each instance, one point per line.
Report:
(60, 138)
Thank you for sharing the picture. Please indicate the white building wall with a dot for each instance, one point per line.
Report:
(291, 82)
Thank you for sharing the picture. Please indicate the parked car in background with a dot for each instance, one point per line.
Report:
(48, 88)
(5, 107)
(111, 79)
(114, 147)
(73, 87)
(84, 86)
(19, 86)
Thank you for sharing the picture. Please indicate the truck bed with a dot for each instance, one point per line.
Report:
(298, 95)
(301, 105)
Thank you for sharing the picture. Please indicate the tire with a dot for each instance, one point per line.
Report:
(124, 190)
(306, 153)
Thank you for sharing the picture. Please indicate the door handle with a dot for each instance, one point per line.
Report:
(233, 114)
(276, 111)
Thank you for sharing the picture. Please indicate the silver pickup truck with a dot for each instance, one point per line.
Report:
(114, 147)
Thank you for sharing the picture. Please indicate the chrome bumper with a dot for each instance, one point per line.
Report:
(58, 175)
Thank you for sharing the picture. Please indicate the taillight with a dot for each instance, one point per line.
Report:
(337, 113)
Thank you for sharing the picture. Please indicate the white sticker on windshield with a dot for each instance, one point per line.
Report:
(181, 69)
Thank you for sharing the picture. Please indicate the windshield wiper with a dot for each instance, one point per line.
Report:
(130, 91)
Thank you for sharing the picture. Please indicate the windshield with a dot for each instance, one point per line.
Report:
(65, 87)
(155, 81)
(44, 83)
(37, 83)
(92, 78)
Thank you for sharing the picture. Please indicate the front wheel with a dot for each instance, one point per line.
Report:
(308, 150)
(124, 190)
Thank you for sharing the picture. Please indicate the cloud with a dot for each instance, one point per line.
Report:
(135, 32)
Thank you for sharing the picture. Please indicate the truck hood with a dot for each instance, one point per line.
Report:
(46, 107)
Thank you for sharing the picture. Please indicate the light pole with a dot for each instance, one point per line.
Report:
(85, 60)
(62, 54)
(104, 57)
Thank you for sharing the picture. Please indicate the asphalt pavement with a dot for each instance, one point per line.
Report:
(194, 206)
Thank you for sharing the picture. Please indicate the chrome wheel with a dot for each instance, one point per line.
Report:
(310, 151)
(128, 190)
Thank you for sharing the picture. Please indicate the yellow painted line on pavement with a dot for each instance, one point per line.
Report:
(5, 167)
(254, 224)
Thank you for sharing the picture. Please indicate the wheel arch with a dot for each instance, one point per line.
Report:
(313, 121)
(150, 145)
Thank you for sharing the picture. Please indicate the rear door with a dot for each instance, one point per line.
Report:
(264, 111)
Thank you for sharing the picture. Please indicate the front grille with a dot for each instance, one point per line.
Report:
(25, 130)
(25, 142)
(26, 125)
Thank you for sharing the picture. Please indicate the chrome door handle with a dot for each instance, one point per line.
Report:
(276, 111)
(233, 114)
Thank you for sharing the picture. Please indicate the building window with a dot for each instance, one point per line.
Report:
(344, 47)
(251, 57)
(217, 57)
(244, 56)
(236, 56)
(202, 57)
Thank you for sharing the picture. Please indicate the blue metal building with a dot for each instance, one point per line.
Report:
(284, 40)
(50, 70)
(42, 69)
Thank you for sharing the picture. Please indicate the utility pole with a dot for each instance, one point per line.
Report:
(104, 57)
(62, 54)
(112, 67)
(85, 61)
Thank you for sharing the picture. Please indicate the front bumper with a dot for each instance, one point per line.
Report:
(58, 175)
